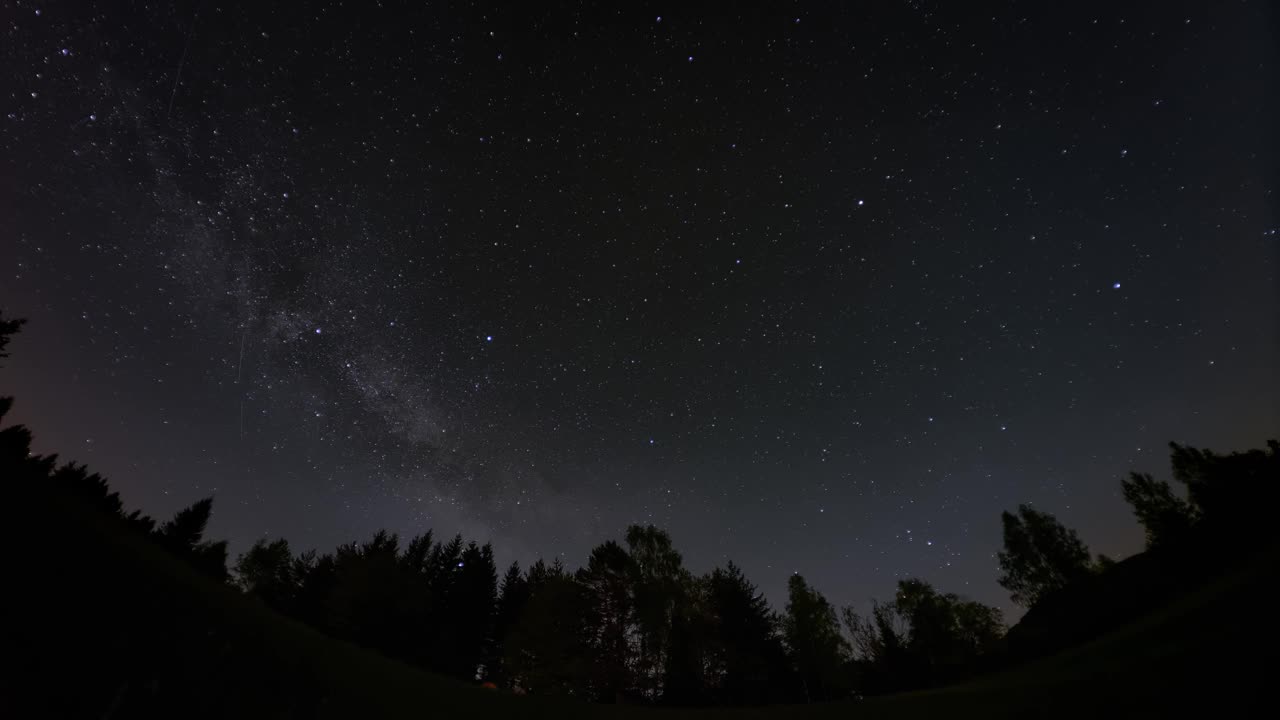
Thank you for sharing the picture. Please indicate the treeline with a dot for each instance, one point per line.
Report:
(634, 624)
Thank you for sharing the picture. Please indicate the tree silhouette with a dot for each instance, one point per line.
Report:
(268, 571)
(185, 531)
(15, 446)
(549, 650)
(513, 596)
(1231, 494)
(879, 646)
(747, 660)
(946, 629)
(920, 638)
(660, 587)
(184, 536)
(818, 650)
(8, 328)
(923, 637)
(1226, 494)
(686, 679)
(367, 602)
(1165, 517)
(90, 487)
(1040, 555)
(317, 577)
(15, 441)
(606, 584)
(471, 603)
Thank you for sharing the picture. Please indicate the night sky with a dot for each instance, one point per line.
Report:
(815, 291)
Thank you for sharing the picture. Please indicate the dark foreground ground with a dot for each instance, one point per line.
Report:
(101, 624)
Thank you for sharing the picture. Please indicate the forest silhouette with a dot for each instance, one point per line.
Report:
(632, 625)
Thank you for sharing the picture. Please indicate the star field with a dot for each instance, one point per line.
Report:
(816, 289)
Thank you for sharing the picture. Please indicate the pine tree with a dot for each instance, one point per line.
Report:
(747, 657)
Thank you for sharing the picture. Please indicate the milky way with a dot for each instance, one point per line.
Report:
(816, 292)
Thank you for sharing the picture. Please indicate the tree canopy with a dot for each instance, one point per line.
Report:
(1040, 555)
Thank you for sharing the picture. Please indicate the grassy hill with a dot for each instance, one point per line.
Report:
(102, 624)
